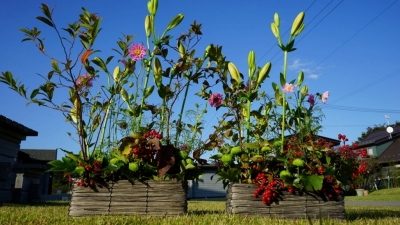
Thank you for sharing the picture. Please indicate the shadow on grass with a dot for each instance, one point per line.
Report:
(36, 203)
(356, 213)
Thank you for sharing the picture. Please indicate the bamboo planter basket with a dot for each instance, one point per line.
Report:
(289, 206)
(161, 198)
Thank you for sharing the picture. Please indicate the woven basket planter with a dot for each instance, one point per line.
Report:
(289, 206)
(162, 198)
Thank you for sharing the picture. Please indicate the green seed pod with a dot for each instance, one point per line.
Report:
(234, 72)
(148, 24)
(116, 73)
(264, 73)
(297, 23)
(157, 68)
(181, 50)
(300, 79)
(206, 52)
(276, 19)
(298, 162)
(236, 150)
(175, 21)
(227, 159)
(124, 94)
(152, 6)
(133, 166)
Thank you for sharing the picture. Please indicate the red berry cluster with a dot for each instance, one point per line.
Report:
(330, 187)
(268, 189)
(145, 150)
(152, 134)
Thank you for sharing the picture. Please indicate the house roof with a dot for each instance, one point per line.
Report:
(392, 153)
(379, 137)
(41, 154)
(10, 124)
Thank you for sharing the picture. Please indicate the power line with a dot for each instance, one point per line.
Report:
(354, 34)
(274, 45)
(359, 109)
(316, 24)
(369, 85)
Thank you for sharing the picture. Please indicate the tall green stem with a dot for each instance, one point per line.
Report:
(284, 99)
(180, 114)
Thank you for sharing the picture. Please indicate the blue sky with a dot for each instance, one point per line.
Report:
(349, 48)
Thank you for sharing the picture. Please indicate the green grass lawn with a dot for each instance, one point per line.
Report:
(392, 194)
(199, 212)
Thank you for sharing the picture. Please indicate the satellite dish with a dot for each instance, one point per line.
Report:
(389, 130)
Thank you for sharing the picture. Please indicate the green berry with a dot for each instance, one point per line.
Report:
(266, 149)
(183, 154)
(278, 144)
(189, 161)
(236, 150)
(133, 166)
(298, 162)
(114, 161)
(285, 174)
(226, 158)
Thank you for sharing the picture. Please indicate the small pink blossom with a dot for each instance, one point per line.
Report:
(325, 96)
(311, 99)
(84, 81)
(216, 99)
(137, 52)
(288, 88)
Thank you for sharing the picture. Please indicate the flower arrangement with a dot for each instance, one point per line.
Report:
(110, 108)
(272, 141)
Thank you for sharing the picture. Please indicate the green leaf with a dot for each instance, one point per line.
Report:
(45, 20)
(34, 93)
(98, 61)
(282, 79)
(312, 182)
(252, 145)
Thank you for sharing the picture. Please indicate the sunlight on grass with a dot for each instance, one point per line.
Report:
(392, 194)
(199, 212)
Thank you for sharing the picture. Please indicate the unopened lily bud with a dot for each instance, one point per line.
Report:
(175, 21)
(276, 19)
(297, 23)
(304, 90)
(116, 73)
(251, 60)
(148, 24)
(275, 30)
(299, 30)
(152, 7)
(264, 73)
(300, 78)
(234, 72)
(157, 72)
(181, 49)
